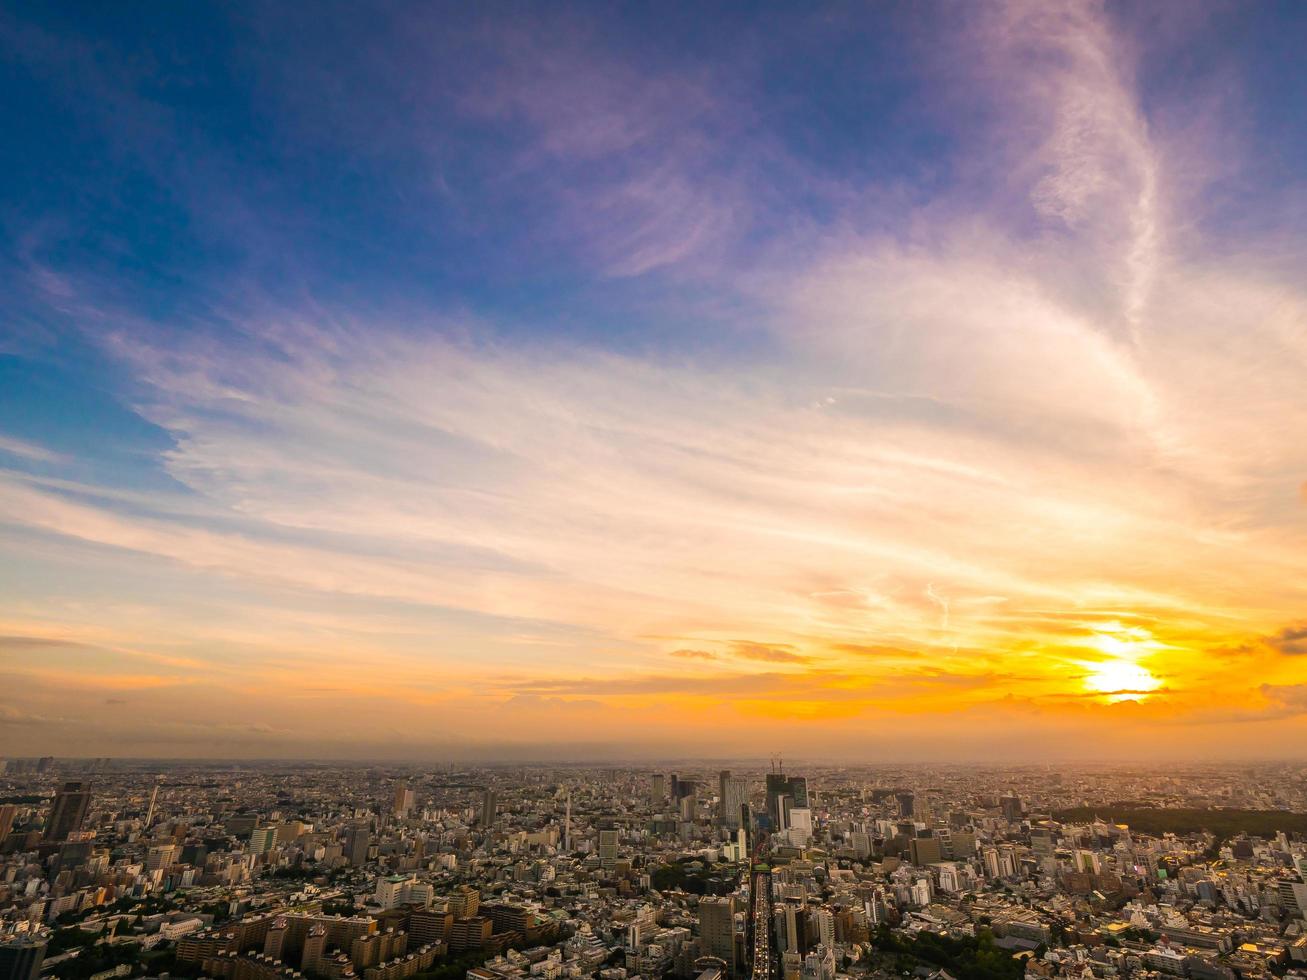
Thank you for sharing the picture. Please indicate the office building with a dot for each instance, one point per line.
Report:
(783, 794)
(68, 811)
(608, 848)
(907, 804)
(357, 843)
(465, 902)
(926, 850)
(21, 956)
(717, 929)
(8, 812)
(1012, 808)
(262, 839)
(405, 799)
(735, 793)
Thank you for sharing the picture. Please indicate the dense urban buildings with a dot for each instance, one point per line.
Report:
(262, 871)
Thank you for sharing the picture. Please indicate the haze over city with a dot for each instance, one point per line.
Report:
(617, 382)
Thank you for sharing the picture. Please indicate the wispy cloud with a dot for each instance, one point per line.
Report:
(949, 447)
(29, 450)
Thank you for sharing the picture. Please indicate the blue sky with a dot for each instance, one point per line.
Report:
(639, 348)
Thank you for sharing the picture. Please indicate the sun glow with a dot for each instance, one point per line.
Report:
(1121, 680)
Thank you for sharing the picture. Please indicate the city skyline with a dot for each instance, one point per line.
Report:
(914, 381)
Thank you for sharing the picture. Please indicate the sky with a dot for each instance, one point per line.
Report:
(867, 382)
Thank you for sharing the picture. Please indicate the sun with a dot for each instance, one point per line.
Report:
(1121, 680)
(1118, 676)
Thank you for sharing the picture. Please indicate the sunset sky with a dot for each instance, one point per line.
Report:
(503, 381)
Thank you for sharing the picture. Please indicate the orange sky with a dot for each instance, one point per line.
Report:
(1018, 474)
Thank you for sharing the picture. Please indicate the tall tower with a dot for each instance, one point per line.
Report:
(717, 929)
(488, 808)
(21, 956)
(357, 842)
(567, 825)
(67, 812)
(405, 799)
(735, 794)
(608, 847)
(149, 813)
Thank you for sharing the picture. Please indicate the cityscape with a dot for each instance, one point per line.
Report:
(653, 490)
(273, 871)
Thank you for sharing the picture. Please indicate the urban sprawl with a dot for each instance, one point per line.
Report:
(765, 871)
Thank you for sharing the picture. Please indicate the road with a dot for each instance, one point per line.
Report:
(760, 916)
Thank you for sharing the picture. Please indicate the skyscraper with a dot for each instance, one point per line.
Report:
(149, 813)
(8, 812)
(608, 848)
(67, 812)
(567, 826)
(784, 792)
(657, 789)
(21, 956)
(488, 808)
(925, 850)
(1012, 808)
(357, 842)
(405, 799)
(717, 929)
(907, 804)
(262, 839)
(735, 794)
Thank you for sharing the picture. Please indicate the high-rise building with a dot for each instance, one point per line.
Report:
(1293, 897)
(926, 850)
(567, 825)
(735, 794)
(824, 927)
(464, 902)
(799, 821)
(788, 928)
(315, 948)
(160, 856)
(657, 789)
(430, 925)
(67, 811)
(783, 793)
(357, 842)
(1012, 808)
(22, 955)
(390, 890)
(149, 812)
(489, 808)
(8, 813)
(262, 839)
(608, 848)
(717, 929)
(819, 964)
(405, 799)
(907, 804)
(688, 806)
